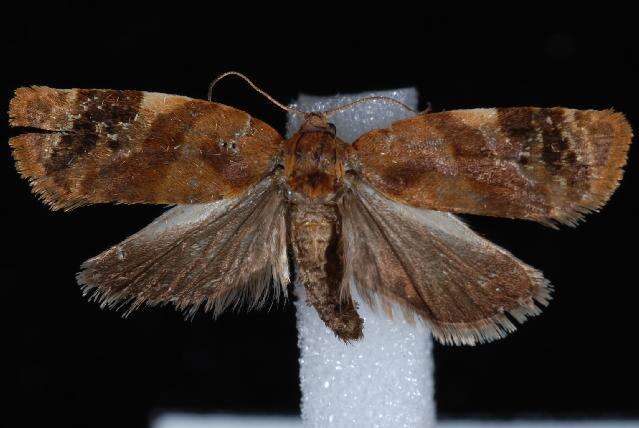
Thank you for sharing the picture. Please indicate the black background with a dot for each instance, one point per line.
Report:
(76, 365)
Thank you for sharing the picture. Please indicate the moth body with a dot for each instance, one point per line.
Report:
(314, 164)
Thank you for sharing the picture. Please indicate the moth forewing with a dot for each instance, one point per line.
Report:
(136, 147)
(543, 164)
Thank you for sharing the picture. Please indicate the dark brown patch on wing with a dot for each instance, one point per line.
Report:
(405, 176)
(469, 141)
(529, 126)
(100, 115)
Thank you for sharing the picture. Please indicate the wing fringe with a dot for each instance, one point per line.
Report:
(607, 175)
(475, 333)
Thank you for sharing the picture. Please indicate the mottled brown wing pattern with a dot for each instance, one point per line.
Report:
(465, 288)
(213, 255)
(543, 164)
(96, 146)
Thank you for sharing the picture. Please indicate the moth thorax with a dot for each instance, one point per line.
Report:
(314, 165)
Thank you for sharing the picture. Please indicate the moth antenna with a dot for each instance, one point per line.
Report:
(255, 87)
(329, 113)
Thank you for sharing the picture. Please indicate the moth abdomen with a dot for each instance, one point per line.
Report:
(318, 257)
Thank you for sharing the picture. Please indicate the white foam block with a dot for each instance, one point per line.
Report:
(174, 420)
(385, 379)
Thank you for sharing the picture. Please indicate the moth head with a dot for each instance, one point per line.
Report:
(317, 122)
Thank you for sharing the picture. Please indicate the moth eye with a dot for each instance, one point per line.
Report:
(332, 127)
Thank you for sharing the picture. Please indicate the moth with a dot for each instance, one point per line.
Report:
(254, 213)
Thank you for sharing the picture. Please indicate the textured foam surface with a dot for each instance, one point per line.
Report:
(362, 118)
(384, 380)
(174, 420)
